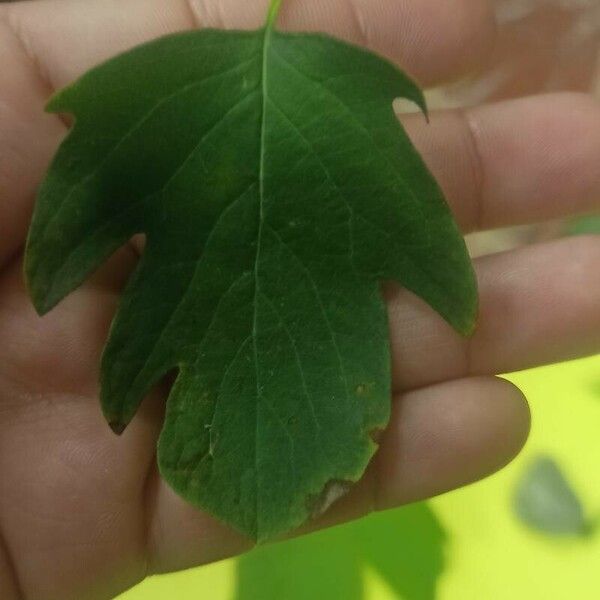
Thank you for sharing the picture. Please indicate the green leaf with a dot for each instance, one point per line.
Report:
(276, 189)
(547, 503)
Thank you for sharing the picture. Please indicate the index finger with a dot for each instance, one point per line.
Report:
(432, 40)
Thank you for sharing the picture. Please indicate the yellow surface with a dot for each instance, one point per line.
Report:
(490, 555)
(493, 557)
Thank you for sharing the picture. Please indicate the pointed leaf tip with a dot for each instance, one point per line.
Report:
(117, 427)
(38, 299)
(55, 103)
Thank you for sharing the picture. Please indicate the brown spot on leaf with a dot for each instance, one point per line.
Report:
(334, 490)
(363, 389)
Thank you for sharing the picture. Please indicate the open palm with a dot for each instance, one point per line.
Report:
(83, 513)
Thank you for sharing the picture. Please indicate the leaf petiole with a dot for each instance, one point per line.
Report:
(273, 13)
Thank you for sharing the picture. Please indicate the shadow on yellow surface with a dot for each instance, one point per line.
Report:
(466, 545)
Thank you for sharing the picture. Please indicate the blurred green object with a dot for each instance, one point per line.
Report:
(546, 502)
(404, 547)
(466, 545)
(584, 225)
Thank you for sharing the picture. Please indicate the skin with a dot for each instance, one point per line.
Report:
(83, 513)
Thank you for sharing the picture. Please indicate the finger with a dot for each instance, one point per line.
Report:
(439, 438)
(515, 162)
(432, 40)
(539, 305)
(28, 138)
(448, 435)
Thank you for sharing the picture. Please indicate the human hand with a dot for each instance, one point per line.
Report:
(84, 514)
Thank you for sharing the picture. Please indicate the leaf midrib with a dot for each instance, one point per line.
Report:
(268, 31)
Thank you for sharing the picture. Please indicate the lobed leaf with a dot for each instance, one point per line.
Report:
(277, 190)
